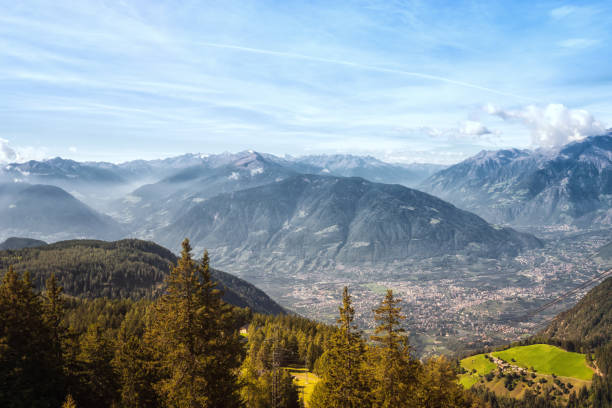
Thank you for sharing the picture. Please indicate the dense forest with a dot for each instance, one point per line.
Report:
(187, 347)
(129, 268)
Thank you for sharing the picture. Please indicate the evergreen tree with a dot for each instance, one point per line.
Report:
(69, 402)
(134, 363)
(394, 372)
(98, 379)
(195, 337)
(29, 374)
(311, 356)
(343, 382)
(54, 313)
(439, 386)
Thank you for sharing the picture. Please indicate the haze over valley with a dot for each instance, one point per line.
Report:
(301, 228)
(306, 204)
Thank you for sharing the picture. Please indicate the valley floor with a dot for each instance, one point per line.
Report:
(455, 304)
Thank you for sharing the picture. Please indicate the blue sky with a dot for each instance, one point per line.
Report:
(404, 81)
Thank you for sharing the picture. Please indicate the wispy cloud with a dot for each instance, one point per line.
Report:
(578, 43)
(563, 11)
(364, 67)
(139, 78)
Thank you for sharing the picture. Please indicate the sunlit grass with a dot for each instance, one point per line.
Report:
(305, 380)
(547, 359)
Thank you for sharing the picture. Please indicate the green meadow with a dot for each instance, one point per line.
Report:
(547, 359)
(478, 363)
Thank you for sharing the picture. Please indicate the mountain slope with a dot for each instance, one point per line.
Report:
(50, 213)
(154, 205)
(367, 167)
(14, 243)
(58, 169)
(588, 323)
(127, 268)
(571, 185)
(309, 222)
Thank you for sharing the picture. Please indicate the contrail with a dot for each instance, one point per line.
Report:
(362, 66)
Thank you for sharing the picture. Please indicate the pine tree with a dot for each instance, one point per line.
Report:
(394, 372)
(69, 402)
(29, 374)
(134, 362)
(343, 382)
(99, 380)
(311, 357)
(439, 386)
(195, 337)
(54, 313)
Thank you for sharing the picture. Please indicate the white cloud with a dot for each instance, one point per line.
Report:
(7, 153)
(473, 128)
(72, 149)
(467, 129)
(563, 11)
(19, 154)
(553, 124)
(578, 43)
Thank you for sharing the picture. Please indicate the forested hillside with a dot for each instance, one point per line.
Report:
(588, 325)
(20, 243)
(184, 350)
(120, 269)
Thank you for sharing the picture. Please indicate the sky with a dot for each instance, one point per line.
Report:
(404, 81)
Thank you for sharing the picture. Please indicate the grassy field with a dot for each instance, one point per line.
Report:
(376, 288)
(540, 361)
(478, 363)
(305, 380)
(547, 359)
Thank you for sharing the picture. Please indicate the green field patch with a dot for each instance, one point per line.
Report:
(479, 363)
(305, 380)
(547, 359)
(375, 287)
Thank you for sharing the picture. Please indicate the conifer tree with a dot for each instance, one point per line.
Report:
(54, 313)
(439, 386)
(69, 402)
(99, 380)
(134, 362)
(343, 382)
(394, 372)
(29, 375)
(195, 337)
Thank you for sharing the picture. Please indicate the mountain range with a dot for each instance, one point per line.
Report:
(50, 213)
(335, 212)
(310, 222)
(570, 185)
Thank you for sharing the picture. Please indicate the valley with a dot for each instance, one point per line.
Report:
(453, 304)
(303, 228)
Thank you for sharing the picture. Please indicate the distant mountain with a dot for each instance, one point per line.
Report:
(153, 206)
(367, 167)
(58, 169)
(95, 183)
(50, 213)
(14, 243)
(309, 222)
(588, 323)
(570, 185)
(127, 268)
